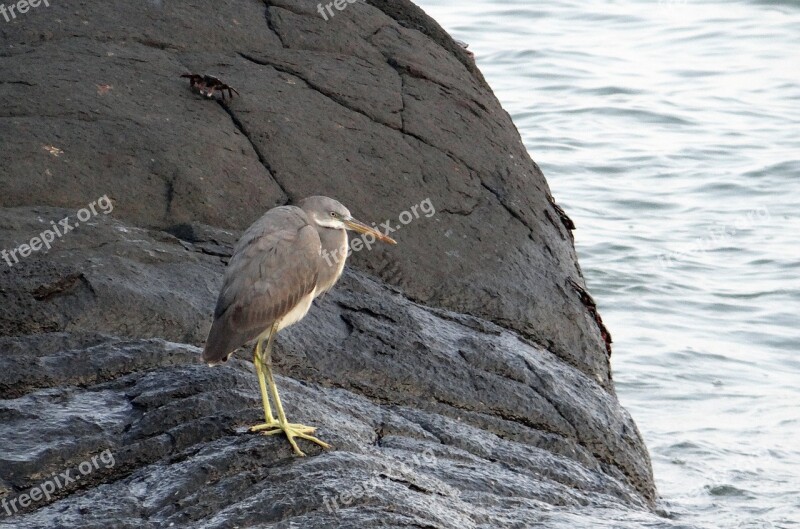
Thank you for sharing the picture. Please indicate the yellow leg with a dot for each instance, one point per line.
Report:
(270, 421)
(282, 425)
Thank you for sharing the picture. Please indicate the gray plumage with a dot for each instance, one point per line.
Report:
(281, 263)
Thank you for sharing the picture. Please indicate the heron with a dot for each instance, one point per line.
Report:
(282, 262)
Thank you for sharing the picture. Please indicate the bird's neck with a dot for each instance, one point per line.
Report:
(332, 257)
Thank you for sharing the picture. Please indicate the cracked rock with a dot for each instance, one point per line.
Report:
(461, 376)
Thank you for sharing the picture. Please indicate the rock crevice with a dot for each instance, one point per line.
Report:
(462, 380)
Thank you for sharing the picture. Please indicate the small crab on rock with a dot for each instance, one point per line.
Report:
(208, 86)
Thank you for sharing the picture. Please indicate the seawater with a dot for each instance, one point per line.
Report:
(670, 132)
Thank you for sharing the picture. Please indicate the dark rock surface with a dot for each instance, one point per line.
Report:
(360, 107)
(461, 377)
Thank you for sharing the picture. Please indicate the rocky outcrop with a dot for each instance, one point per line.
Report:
(462, 376)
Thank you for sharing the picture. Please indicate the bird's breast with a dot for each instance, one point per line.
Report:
(297, 313)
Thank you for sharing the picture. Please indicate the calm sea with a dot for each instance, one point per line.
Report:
(670, 132)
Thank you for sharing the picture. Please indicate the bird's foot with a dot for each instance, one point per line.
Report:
(274, 427)
(263, 426)
(292, 431)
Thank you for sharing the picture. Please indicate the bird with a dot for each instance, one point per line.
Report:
(282, 262)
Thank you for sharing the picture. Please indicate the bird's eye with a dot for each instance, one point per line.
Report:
(333, 214)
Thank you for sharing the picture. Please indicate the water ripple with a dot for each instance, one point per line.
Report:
(668, 129)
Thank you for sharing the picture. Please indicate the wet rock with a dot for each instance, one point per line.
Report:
(108, 277)
(436, 417)
(461, 376)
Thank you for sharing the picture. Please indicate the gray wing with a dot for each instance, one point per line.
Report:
(274, 265)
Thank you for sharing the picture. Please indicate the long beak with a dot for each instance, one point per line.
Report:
(360, 227)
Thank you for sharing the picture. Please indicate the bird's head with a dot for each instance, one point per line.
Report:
(329, 213)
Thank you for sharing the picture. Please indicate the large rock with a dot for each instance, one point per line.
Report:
(380, 112)
(462, 376)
